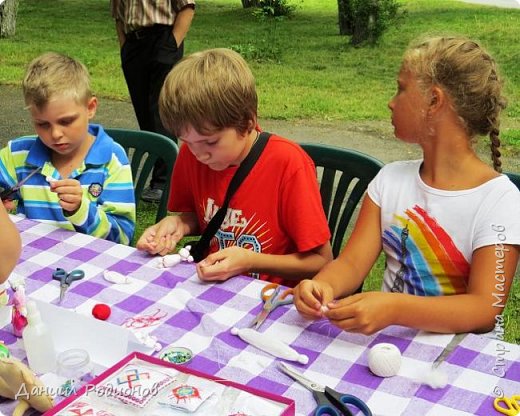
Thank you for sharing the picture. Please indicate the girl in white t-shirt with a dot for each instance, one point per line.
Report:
(449, 224)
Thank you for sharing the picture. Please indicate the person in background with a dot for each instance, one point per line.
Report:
(449, 224)
(10, 245)
(151, 37)
(73, 174)
(275, 227)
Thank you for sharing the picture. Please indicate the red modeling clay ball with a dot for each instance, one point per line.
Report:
(101, 311)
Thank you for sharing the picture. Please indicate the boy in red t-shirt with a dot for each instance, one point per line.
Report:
(275, 227)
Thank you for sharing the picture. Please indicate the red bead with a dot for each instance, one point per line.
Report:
(101, 311)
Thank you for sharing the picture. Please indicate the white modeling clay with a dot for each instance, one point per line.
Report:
(384, 359)
(324, 308)
(435, 378)
(50, 179)
(148, 341)
(185, 254)
(115, 277)
(172, 260)
(273, 346)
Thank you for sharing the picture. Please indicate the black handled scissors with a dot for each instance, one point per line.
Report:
(6, 193)
(330, 402)
(66, 279)
(272, 298)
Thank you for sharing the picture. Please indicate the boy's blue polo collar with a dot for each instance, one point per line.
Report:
(100, 152)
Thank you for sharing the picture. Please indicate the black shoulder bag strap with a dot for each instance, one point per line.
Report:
(199, 249)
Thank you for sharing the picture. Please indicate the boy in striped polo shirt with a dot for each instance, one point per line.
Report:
(81, 179)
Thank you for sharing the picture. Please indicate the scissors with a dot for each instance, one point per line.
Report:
(272, 298)
(6, 193)
(512, 405)
(66, 279)
(330, 402)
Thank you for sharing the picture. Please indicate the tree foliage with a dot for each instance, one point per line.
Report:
(366, 20)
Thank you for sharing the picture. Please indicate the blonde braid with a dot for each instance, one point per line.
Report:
(495, 153)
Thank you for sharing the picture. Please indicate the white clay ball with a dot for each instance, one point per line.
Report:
(184, 253)
(384, 360)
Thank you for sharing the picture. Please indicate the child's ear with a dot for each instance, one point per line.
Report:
(91, 107)
(437, 98)
(251, 125)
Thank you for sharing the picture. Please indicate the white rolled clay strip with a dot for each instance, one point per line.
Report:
(115, 277)
(273, 346)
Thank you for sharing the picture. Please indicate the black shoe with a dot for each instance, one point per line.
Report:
(152, 194)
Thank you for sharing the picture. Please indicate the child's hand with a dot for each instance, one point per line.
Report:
(363, 313)
(225, 263)
(162, 237)
(310, 297)
(69, 192)
(9, 204)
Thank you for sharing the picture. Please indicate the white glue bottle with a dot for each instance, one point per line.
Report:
(38, 342)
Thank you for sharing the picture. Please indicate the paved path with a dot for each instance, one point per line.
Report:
(372, 137)
(512, 4)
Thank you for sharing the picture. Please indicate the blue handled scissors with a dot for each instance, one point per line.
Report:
(6, 193)
(330, 402)
(272, 298)
(512, 405)
(66, 279)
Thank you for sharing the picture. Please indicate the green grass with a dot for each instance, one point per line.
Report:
(304, 69)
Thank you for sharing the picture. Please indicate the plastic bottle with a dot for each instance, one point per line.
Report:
(38, 342)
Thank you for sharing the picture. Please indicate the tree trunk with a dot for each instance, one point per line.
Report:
(345, 17)
(249, 3)
(8, 9)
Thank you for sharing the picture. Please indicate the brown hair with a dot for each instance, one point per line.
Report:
(209, 91)
(469, 75)
(54, 75)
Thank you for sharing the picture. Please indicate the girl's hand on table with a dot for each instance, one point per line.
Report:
(363, 313)
(311, 298)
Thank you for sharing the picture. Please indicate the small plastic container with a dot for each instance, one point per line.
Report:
(74, 365)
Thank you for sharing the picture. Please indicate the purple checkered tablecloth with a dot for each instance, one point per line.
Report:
(199, 316)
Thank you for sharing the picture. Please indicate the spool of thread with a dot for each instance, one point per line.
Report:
(384, 360)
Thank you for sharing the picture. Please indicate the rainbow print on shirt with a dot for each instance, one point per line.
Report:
(433, 265)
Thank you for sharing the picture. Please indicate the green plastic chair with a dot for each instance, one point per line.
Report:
(143, 149)
(345, 175)
(515, 178)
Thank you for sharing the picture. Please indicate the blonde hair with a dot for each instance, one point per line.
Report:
(54, 75)
(469, 75)
(209, 91)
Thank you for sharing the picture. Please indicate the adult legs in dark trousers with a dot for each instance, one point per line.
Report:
(146, 61)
